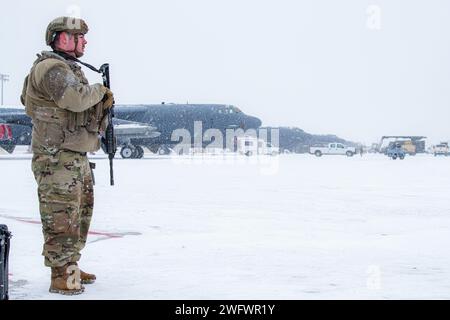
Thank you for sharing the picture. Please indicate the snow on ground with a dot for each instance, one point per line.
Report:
(287, 227)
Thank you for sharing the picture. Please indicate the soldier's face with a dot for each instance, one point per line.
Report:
(79, 45)
(73, 44)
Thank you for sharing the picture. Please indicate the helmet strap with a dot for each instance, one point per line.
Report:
(69, 57)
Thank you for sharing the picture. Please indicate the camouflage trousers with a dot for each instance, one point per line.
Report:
(66, 202)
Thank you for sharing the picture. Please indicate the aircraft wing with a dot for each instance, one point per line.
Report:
(122, 127)
(15, 117)
(134, 130)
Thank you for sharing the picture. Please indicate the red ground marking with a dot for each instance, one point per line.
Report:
(94, 233)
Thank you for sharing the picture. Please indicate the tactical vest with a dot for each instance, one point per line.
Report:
(55, 128)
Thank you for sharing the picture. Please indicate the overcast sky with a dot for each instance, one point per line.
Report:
(359, 69)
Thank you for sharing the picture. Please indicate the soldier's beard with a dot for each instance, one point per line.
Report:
(78, 54)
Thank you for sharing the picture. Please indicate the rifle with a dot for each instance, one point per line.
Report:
(109, 139)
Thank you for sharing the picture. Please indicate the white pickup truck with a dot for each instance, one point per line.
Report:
(441, 149)
(333, 148)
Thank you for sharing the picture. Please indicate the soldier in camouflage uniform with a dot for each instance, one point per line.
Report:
(68, 116)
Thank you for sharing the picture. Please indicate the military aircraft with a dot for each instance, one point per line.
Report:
(296, 140)
(169, 117)
(19, 125)
(150, 126)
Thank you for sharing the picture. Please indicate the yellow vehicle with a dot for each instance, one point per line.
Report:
(409, 147)
(410, 144)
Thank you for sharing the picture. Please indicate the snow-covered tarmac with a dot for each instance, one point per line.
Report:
(287, 227)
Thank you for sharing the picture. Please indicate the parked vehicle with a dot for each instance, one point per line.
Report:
(410, 144)
(333, 149)
(441, 149)
(396, 151)
(249, 145)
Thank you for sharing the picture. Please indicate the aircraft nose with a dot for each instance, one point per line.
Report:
(249, 122)
(253, 122)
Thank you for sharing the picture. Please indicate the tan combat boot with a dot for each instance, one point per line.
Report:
(66, 280)
(87, 278)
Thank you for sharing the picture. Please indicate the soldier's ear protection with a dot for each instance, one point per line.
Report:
(55, 35)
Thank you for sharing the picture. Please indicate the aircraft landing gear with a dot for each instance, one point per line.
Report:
(139, 152)
(127, 152)
(160, 149)
(132, 152)
(164, 150)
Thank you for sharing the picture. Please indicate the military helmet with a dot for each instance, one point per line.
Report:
(67, 24)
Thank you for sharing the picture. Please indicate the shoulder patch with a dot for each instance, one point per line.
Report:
(43, 67)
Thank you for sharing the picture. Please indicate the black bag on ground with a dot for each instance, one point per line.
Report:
(5, 235)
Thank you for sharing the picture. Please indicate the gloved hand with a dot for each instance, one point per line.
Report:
(108, 99)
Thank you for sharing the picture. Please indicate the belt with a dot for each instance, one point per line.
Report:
(80, 153)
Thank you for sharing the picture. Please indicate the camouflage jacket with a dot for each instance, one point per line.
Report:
(67, 113)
